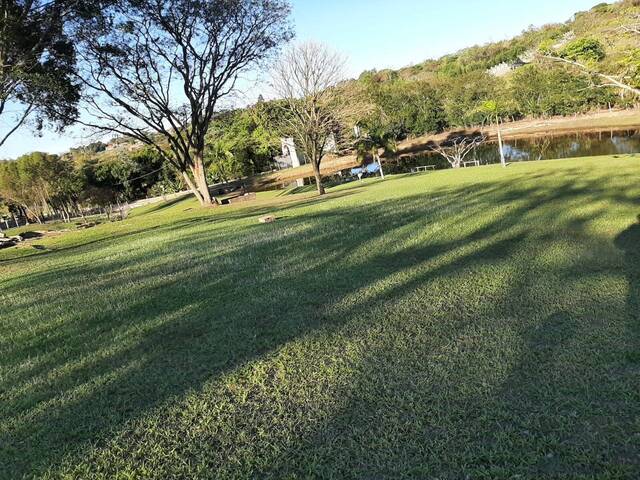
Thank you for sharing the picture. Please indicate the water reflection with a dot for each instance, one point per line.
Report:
(548, 147)
(537, 148)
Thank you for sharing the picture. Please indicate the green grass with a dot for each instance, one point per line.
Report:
(479, 324)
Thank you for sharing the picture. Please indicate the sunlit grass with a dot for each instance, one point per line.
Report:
(473, 324)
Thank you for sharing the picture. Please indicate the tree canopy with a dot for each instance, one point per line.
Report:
(155, 70)
(38, 62)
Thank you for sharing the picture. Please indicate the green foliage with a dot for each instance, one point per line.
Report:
(38, 62)
(242, 142)
(402, 108)
(497, 108)
(631, 66)
(127, 176)
(464, 95)
(603, 7)
(587, 50)
(554, 90)
(547, 47)
(40, 183)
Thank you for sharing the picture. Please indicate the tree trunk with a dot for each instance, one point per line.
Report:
(192, 187)
(377, 157)
(200, 178)
(81, 212)
(318, 177)
(502, 159)
(35, 215)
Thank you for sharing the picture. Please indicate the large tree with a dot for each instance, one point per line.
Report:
(319, 110)
(37, 62)
(155, 70)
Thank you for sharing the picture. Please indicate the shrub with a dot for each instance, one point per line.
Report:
(584, 50)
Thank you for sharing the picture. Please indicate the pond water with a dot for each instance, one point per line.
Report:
(549, 147)
(617, 142)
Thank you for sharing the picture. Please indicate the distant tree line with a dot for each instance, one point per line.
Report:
(407, 107)
(40, 186)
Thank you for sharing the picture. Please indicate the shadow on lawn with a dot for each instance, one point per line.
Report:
(162, 206)
(166, 320)
(564, 407)
(220, 214)
(629, 242)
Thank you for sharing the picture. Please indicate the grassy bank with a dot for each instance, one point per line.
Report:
(481, 323)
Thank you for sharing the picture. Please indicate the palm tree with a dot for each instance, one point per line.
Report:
(372, 144)
(493, 112)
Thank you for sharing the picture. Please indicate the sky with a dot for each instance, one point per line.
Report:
(376, 34)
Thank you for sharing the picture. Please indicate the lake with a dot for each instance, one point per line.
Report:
(549, 147)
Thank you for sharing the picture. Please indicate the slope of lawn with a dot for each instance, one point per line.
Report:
(480, 324)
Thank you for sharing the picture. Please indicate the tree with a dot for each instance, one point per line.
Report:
(456, 149)
(464, 94)
(401, 107)
(585, 54)
(583, 50)
(42, 184)
(494, 112)
(19, 184)
(242, 142)
(369, 146)
(319, 113)
(156, 70)
(126, 175)
(37, 62)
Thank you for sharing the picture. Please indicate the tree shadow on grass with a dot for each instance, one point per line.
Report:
(539, 383)
(217, 215)
(629, 243)
(164, 205)
(165, 320)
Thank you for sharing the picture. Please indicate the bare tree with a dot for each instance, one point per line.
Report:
(456, 149)
(319, 111)
(155, 70)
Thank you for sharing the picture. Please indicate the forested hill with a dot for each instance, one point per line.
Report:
(604, 22)
(513, 79)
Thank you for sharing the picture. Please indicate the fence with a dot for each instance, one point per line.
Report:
(7, 223)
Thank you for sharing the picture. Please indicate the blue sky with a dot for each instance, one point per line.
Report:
(379, 34)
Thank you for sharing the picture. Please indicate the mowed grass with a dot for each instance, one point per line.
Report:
(473, 324)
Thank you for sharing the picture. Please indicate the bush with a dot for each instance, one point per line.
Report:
(584, 50)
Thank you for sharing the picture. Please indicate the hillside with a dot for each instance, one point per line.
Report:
(604, 22)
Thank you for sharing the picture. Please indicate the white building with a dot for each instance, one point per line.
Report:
(290, 157)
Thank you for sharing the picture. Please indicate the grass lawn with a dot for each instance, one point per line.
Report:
(473, 324)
